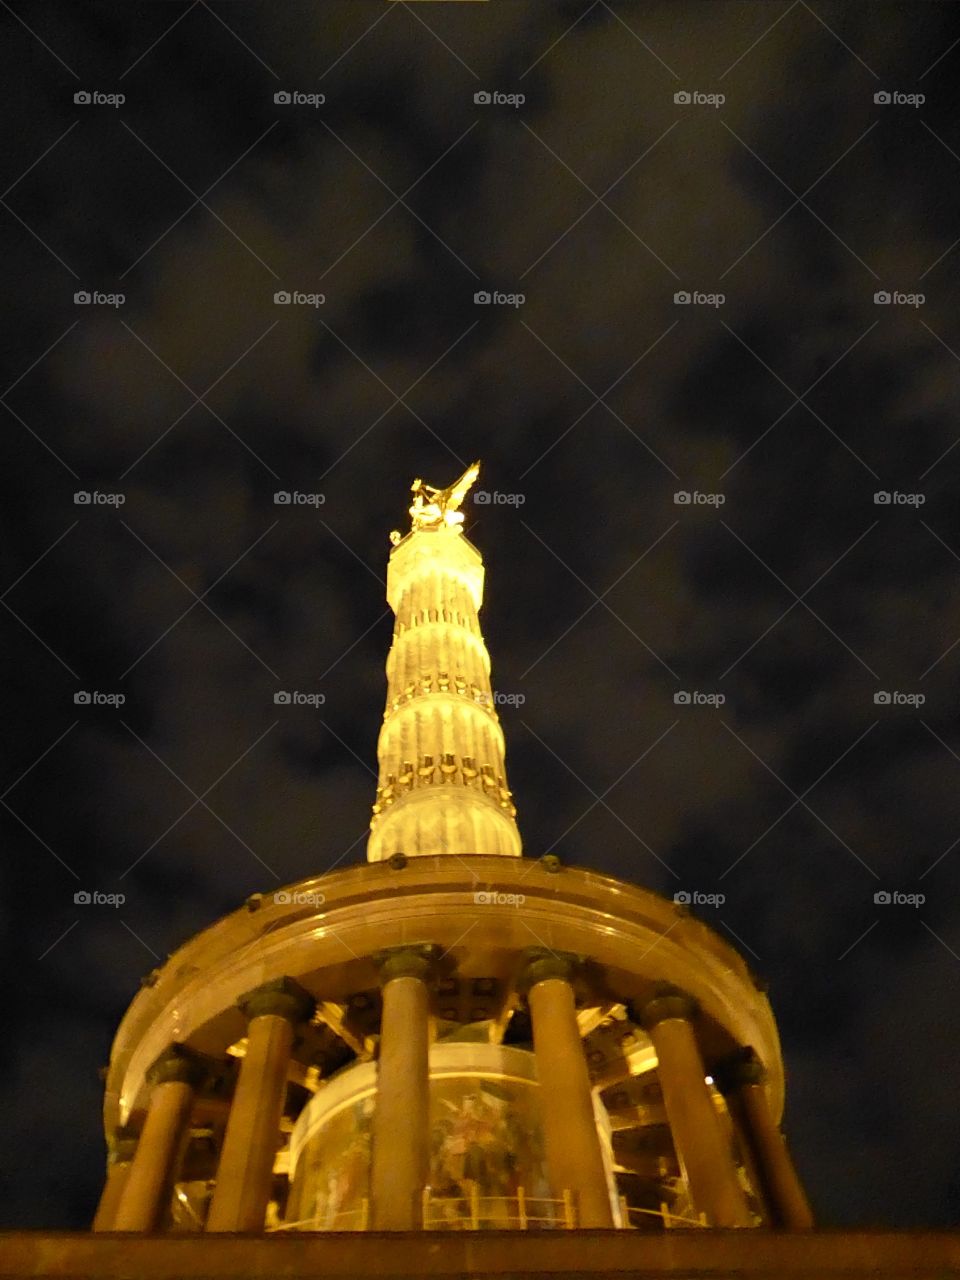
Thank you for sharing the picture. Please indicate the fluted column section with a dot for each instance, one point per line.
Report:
(245, 1169)
(175, 1077)
(741, 1079)
(572, 1142)
(401, 1119)
(702, 1148)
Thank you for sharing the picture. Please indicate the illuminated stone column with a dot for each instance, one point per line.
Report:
(573, 1151)
(146, 1191)
(401, 1120)
(118, 1169)
(245, 1168)
(741, 1080)
(442, 777)
(702, 1148)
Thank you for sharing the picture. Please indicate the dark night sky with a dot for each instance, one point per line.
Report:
(798, 198)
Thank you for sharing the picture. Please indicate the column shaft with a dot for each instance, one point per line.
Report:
(143, 1199)
(783, 1189)
(748, 1156)
(245, 1168)
(573, 1151)
(401, 1122)
(117, 1173)
(702, 1149)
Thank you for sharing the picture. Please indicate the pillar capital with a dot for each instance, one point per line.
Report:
(667, 1001)
(539, 964)
(739, 1069)
(122, 1149)
(280, 998)
(418, 961)
(178, 1064)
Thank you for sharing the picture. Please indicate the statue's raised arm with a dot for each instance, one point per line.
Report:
(433, 508)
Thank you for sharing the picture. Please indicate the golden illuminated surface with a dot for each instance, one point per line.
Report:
(633, 937)
(442, 784)
(444, 869)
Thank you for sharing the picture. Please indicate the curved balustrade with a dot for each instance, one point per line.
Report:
(483, 1213)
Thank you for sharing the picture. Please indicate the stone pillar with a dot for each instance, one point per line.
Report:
(741, 1078)
(146, 1191)
(702, 1148)
(401, 1120)
(245, 1168)
(118, 1169)
(572, 1142)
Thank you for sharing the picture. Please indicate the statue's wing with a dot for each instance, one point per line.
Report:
(459, 489)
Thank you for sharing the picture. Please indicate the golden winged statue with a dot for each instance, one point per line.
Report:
(432, 508)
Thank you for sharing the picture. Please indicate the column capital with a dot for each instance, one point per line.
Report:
(738, 1069)
(280, 998)
(539, 964)
(667, 1001)
(122, 1149)
(416, 961)
(180, 1065)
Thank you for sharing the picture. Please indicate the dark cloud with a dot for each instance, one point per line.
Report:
(797, 399)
